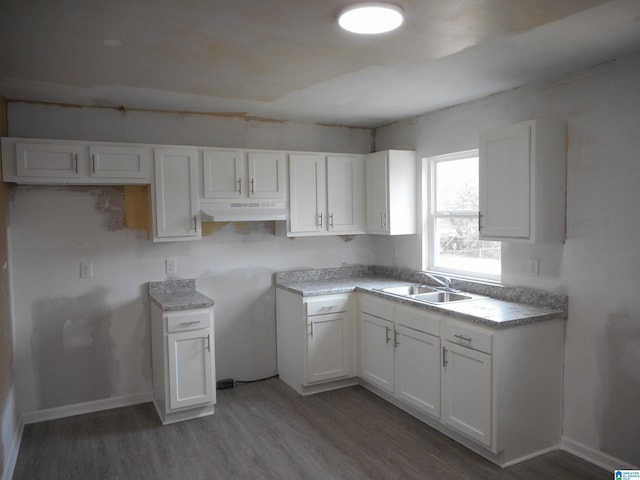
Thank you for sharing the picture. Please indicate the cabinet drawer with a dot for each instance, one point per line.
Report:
(188, 321)
(327, 304)
(418, 319)
(468, 336)
(376, 306)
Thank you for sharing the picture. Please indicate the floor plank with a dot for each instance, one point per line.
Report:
(265, 430)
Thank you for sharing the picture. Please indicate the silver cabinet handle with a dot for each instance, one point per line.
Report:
(397, 338)
(185, 324)
(311, 329)
(93, 163)
(253, 185)
(387, 334)
(462, 337)
(239, 180)
(384, 220)
(195, 223)
(209, 342)
(331, 220)
(320, 216)
(479, 221)
(381, 221)
(75, 162)
(329, 307)
(444, 357)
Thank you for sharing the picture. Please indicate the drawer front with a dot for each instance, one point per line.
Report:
(327, 304)
(188, 321)
(377, 307)
(468, 336)
(418, 319)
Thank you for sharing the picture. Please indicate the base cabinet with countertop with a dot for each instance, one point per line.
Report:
(316, 341)
(495, 390)
(183, 358)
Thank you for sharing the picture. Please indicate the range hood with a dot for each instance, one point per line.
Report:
(244, 211)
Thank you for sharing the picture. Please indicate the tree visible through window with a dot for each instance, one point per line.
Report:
(452, 224)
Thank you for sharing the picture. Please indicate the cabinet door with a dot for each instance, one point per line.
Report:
(418, 369)
(466, 396)
(346, 194)
(327, 353)
(307, 193)
(120, 162)
(377, 192)
(377, 351)
(49, 160)
(223, 174)
(505, 182)
(190, 368)
(266, 175)
(176, 194)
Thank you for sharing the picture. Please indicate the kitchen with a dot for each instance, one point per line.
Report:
(53, 230)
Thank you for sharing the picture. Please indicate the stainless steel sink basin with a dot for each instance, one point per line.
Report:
(410, 290)
(442, 297)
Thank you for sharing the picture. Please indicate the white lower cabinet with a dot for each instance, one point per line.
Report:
(315, 340)
(496, 390)
(400, 352)
(418, 369)
(183, 363)
(466, 391)
(377, 351)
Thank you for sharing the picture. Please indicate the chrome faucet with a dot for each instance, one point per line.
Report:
(445, 283)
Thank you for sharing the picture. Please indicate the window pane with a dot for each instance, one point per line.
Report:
(459, 248)
(457, 185)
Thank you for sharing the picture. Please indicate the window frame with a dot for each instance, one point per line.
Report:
(431, 217)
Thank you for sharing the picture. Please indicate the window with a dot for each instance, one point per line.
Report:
(451, 228)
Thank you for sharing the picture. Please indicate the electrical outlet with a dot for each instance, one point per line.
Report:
(86, 270)
(534, 266)
(171, 266)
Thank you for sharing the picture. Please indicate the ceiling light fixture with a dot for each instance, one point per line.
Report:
(370, 18)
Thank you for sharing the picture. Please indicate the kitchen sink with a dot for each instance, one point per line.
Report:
(442, 297)
(410, 290)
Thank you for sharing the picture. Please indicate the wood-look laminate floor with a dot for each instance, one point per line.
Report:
(265, 430)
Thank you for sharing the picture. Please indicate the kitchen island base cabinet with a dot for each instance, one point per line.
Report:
(183, 363)
(315, 338)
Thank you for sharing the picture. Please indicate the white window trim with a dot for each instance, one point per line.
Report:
(429, 218)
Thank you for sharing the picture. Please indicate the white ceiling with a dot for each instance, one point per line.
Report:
(288, 59)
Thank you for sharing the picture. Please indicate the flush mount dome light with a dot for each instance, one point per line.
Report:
(371, 18)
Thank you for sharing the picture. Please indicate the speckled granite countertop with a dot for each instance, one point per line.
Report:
(497, 307)
(176, 295)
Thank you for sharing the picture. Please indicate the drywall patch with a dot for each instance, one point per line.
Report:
(619, 360)
(110, 201)
(72, 349)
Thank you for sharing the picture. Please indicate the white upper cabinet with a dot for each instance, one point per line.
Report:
(175, 195)
(37, 161)
(326, 194)
(235, 174)
(522, 182)
(224, 173)
(391, 192)
(113, 161)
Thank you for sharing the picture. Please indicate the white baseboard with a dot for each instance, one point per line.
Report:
(594, 456)
(86, 407)
(13, 456)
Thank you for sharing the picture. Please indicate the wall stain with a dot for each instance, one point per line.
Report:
(110, 202)
(73, 353)
(619, 360)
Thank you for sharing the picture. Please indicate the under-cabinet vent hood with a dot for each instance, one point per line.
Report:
(245, 211)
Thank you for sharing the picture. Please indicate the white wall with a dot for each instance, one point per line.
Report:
(599, 265)
(79, 340)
